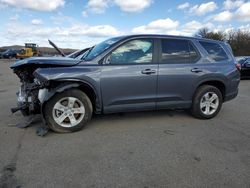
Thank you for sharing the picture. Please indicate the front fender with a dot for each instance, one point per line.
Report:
(64, 78)
(45, 94)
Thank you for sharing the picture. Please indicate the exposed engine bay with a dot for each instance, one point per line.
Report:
(27, 96)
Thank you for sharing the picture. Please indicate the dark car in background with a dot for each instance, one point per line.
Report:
(245, 66)
(128, 73)
(8, 54)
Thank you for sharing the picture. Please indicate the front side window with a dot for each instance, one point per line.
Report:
(175, 51)
(133, 52)
(215, 51)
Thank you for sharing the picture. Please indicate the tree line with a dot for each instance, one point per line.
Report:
(239, 40)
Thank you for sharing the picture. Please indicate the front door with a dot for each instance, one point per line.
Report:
(129, 77)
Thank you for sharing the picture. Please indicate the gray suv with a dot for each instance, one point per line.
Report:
(128, 73)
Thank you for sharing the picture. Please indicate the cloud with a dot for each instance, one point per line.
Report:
(171, 27)
(3, 6)
(60, 19)
(243, 12)
(97, 6)
(229, 4)
(161, 26)
(203, 8)
(132, 5)
(192, 27)
(183, 6)
(84, 13)
(224, 16)
(245, 28)
(100, 6)
(236, 11)
(77, 35)
(14, 18)
(24, 30)
(36, 22)
(100, 31)
(39, 5)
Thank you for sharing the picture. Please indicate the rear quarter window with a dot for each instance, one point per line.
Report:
(215, 51)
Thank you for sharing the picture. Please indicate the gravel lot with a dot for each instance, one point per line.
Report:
(144, 149)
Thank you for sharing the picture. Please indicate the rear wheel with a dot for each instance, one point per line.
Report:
(207, 102)
(68, 111)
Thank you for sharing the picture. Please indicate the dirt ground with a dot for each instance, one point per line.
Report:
(143, 149)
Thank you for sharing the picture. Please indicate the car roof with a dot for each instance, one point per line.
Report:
(169, 36)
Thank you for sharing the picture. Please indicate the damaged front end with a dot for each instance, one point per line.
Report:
(34, 86)
(28, 95)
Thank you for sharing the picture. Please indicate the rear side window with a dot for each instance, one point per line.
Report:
(215, 51)
(175, 51)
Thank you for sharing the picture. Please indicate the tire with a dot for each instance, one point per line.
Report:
(207, 102)
(73, 121)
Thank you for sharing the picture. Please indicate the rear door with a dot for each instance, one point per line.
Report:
(129, 77)
(178, 71)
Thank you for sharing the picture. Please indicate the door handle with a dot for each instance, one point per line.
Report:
(196, 70)
(148, 71)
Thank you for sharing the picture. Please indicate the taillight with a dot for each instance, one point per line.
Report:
(238, 66)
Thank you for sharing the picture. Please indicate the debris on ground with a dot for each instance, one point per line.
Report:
(197, 158)
(28, 121)
(42, 131)
(169, 132)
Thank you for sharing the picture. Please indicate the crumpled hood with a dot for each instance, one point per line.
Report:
(53, 61)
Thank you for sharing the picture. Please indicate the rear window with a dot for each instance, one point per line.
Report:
(178, 51)
(215, 51)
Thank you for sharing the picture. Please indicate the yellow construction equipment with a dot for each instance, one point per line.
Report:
(30, 50)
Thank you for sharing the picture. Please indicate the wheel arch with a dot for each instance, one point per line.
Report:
(59, 86)
(216, 83)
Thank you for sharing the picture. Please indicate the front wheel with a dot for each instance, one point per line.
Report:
(68, 111)
(207, 102)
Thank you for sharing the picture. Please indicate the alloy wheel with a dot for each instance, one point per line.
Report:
(68, 112)
(209, 103)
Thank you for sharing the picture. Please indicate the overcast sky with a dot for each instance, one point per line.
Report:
(81, 23)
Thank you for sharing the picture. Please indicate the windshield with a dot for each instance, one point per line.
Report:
(99, 48)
